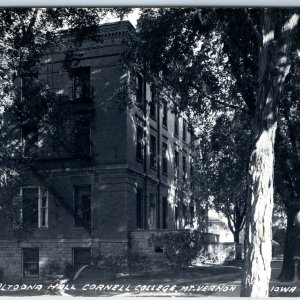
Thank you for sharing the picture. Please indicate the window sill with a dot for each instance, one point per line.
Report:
(31, 228)
(165, 127)
(154, 168)
(81, 228)
(83, 100)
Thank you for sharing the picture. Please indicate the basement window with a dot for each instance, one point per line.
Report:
(81, 257)
(30, 262)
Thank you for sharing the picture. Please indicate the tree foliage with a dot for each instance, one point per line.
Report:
(223, 167)
(287, 174)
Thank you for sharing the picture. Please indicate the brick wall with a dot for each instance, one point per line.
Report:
(59, 251)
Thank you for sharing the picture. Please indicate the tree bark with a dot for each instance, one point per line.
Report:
(273, 68)
(236, 237)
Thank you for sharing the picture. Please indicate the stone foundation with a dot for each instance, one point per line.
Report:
(55, 251)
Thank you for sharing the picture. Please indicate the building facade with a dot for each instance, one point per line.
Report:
(115, 170)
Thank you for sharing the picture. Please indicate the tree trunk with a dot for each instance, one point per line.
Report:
(273, 69)
(238, 246)
(287, 271)
(236, 236)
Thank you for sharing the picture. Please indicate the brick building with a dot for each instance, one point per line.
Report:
(124, 174)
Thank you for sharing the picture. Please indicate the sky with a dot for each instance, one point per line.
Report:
(132, 17)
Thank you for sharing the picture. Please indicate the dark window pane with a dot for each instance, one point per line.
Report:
(30, 255)
(176, 125)
(165, 115)
(165, 212)
(176, 164)
(140, 89)
(152, 105)
(82, 206)
(184, 130)
(81, 83)
(192, 213)
(30, 140)
(81, 257)
(184, 214)
(30, 207)
(184, 173)
(31, 262)
(176, 217)
(139, 208)
(139, 143)
(82, 137)
(152, 151)
(165, 158)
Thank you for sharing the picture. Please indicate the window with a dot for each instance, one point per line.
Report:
(184, 215)
(165, 115)
(176, 217)
(152, 106)
(82, 206)
(30, 262)
(141, 87)
(192, 214)
(152, 216)
(81, 77)
(153, 154)
(184, 172)
(139, 208)
(139, 143)
(165, 158)
(82, 137)
(192, 169)
(81, 257)
(165, 213)
(184, 131)
(176, 125)
(176, 165)
(34, 207)
(29, 140)
(43, 209)
(27, 85)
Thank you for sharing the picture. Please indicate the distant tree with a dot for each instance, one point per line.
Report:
(223, 168)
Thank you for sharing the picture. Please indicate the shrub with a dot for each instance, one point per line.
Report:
(137, 262)
(215, 254)
(180, 248)
(114, 263)
(52, 268)
(68, 270)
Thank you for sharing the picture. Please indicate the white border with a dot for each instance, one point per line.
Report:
(147, 3)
